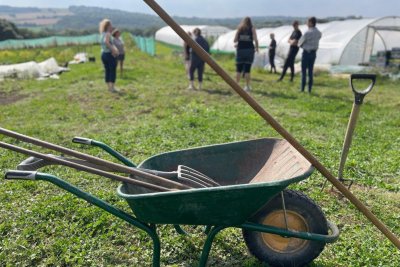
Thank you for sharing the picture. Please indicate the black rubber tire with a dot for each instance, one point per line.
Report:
(298, 203)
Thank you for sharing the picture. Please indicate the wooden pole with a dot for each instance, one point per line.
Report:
(268, 118)
(113, 166)
(82, 167)
(349, 137)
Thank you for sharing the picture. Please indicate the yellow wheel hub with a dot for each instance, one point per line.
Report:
(281, 244)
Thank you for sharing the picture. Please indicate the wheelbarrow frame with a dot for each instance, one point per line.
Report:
(151, 229)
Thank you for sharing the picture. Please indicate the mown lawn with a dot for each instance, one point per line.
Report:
(43, 225)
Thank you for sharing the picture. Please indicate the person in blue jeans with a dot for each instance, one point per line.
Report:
(310, 43)
(108, 54)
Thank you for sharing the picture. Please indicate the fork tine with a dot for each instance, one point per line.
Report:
(186, 175)
(191, 182)
(198, 175)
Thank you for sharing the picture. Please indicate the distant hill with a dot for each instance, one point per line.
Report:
(17, 10)
(85, 19)
(89, 17)
(32, 16)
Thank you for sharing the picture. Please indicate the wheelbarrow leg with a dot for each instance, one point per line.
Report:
(149, 229)
(208, 244)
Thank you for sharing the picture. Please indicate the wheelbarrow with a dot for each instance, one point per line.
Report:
(281, 227)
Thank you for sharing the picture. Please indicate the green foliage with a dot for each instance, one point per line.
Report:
(8, 30)
(42, 225)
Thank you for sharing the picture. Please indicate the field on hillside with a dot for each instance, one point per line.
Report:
(41, 225)
(36, 16)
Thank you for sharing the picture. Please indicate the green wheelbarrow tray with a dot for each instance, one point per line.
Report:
(250, 172)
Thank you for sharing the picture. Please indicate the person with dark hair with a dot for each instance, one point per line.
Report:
(196, 63)
(310, 43)
(246, 44)
(186, 55)
(108, 54)
(271, 52)
(293, 50)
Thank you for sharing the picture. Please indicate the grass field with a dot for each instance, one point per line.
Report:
(43, 225)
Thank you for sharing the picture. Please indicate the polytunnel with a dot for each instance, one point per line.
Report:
(352, 42)
(349, 42)
(168, 36)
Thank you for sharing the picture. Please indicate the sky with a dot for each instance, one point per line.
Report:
(237, 8)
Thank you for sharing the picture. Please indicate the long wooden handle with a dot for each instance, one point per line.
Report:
(82, 167)
(116, 167)
(267, 117)
(348, 138)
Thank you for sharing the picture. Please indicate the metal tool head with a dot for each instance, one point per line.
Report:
(33, 164)
(194, 177)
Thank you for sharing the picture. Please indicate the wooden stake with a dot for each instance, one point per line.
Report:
(268, 118)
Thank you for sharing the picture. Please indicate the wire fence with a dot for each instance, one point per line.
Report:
(145, 44)
(50, 42)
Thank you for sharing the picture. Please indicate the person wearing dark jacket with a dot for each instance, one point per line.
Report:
(196, 63)
(271, 53)
(293, 50)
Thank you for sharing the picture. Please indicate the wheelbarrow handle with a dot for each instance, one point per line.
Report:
(105, 147)
(20, 175)
(82, 140)
(359, 95)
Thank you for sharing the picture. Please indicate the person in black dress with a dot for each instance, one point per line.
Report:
(246, 44)
(293, 50)
(271, 53)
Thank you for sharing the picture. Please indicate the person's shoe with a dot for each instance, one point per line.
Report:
(247, 88)
(200, 86)
(113, 90)
(191, 87)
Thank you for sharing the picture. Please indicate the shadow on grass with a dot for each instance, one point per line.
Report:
(275, 94)
(335, 97)
(217, 92)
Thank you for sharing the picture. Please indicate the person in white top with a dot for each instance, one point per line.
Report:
(310, 43)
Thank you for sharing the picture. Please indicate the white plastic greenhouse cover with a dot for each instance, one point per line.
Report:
(168, 36)
(348, 42)
(224, 43)
(31, 69)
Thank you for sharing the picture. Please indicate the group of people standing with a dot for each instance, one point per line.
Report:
(309, 42)
(246, 43)
(112, 52)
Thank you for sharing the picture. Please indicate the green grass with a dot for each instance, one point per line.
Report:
(43, 225)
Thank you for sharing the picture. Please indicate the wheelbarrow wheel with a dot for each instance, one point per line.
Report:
(303, 215)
